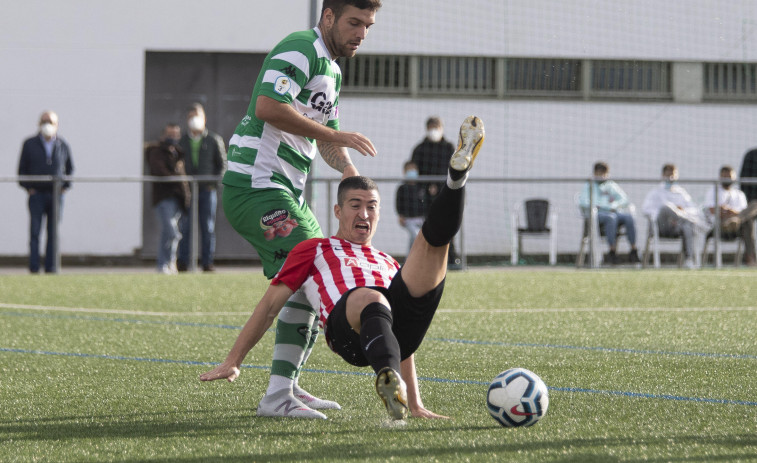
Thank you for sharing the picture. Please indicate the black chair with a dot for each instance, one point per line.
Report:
(539, 222)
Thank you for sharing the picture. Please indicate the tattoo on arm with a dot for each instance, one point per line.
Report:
(335, 156)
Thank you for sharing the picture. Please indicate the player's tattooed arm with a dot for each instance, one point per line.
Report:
(335, 156)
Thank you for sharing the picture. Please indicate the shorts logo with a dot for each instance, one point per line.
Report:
(355, 262)
(277, 222)
(282, 85)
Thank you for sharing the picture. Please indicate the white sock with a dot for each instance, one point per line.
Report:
(277, 383)
(456, 184)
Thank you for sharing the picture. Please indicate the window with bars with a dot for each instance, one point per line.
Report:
(457, 75)
(542, 77)
(639, 79)
(386, 74)
(730, 81)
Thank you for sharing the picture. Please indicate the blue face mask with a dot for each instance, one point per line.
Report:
(669, 184)
(411, 174)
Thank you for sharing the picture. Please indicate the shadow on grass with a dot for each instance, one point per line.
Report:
(307, 441)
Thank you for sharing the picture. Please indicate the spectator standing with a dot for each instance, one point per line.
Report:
(613, 210)
(749, 170)
(170, 199)
(45, 154)
(411, 201)
(676, 214)
(205, 154)
(432, 157)
(736, 215)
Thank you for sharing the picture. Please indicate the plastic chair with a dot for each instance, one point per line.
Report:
(587, 217)
(653, 244)
(724, 238)
(540, 222)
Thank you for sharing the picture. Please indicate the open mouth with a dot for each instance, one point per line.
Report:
(362, 227)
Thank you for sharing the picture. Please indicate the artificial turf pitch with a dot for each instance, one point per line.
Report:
(657, 365)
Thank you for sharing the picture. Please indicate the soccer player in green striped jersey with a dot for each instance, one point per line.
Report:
(293, 114)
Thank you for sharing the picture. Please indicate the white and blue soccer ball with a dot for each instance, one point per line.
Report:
(517, 397)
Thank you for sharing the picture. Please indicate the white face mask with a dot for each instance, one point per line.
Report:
(196, 123)
(47, 130)
(434, 135)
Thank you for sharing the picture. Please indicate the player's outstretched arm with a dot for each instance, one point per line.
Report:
(284, 117)
(261, 319)
(414, 402)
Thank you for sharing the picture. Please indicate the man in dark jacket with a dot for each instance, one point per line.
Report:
(205, 153)
(432, 157)
(45, 154)
(170, 199)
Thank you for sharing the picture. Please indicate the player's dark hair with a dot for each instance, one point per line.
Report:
(196, 107)
(338, 5)
(354, 183)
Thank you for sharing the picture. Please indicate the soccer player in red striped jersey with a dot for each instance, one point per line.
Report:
(373, 311)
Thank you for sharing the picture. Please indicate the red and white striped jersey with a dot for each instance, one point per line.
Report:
(326, 268)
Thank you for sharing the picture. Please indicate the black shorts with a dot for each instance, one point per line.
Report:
(411, 317)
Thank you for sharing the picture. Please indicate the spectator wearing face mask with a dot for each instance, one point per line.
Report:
(675, 212)
(205, 153)
(44, 154)
(411, 202)
(170, 199)
(432, 157)
(736, 215)
(612, 210)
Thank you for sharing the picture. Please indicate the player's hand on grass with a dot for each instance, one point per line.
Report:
(222, 371)
(423, 412)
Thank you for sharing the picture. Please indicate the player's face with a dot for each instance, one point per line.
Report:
(358, 216)
(344, 36)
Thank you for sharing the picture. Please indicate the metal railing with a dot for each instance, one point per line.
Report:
(330, 183)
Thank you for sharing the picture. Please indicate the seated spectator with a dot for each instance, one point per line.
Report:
(612, 210)
(736, 215)
(671, 206)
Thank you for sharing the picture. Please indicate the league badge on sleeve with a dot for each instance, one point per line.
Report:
(282, 85)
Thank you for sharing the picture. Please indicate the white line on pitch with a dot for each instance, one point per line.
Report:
(604, 309)
(111, 311)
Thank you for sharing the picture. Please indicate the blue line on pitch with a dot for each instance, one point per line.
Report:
(454, 341)
(637, 395)
(596, 349)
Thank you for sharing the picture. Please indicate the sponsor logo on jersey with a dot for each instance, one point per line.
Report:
(355, 262)
(319, 102)
(282, 85)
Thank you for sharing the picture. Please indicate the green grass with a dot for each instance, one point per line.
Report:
(642, 366)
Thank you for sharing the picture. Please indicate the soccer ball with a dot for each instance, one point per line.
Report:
(517, 397)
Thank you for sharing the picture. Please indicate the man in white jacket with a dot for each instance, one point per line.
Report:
(676, 214)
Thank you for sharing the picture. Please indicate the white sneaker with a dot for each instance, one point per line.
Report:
(469, 143)
(393, 392)
(284, 404)
(689, 263)
(314, 402)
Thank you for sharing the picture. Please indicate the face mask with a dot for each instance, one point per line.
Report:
(727, 185)
(412, 173)
(669, 184)
(170, 141)
(196, 123)
(434, 135)
(47, 130)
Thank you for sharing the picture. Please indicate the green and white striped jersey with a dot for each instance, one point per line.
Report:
(298, 71)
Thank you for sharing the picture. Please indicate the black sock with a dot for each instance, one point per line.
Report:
(379, 344)
(444, 217)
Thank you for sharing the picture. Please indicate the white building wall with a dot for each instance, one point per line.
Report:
(85, 60)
